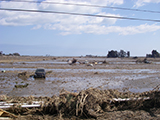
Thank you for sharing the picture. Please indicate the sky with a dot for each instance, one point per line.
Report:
(35, 33)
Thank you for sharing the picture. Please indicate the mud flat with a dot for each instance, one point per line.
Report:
(88, 75)
(115, 73)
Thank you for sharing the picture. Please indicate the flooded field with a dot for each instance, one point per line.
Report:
(81, 88)
(122, 74)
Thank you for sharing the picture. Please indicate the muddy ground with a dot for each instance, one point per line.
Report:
(124, 75)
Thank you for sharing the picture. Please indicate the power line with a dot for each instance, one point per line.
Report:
(81, 14)
(87, 5)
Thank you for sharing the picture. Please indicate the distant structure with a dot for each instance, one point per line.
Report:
(14, 54)
(91, 56)
(1, 52)
(112, 54)
(154, 54)
(128, 54)
(115, 54)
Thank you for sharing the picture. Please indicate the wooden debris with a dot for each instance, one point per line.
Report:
(130, 99)
(22, 74)
(24, 105)
(4, 113)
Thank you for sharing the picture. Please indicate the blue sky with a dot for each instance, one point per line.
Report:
(68, 35)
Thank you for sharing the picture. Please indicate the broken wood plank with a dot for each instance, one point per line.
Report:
(23, 105)
(6, 114)
(130, 99)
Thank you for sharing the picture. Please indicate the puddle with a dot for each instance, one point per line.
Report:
(122, 63)
(33, 64)
(114, 84)
(156, 62)
(43, 62)
(133, 77)
(139, 90)
(88, 70)
(17, 69)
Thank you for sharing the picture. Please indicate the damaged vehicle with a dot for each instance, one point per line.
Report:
(40, 73)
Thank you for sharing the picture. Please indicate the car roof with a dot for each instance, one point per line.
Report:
(40, 69)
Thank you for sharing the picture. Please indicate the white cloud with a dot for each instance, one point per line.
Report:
(69, 24)
(102, 20)
(22, 5)
(144, 28)
(37, 27)
(140, 3)
(26, 18)
(96, 29)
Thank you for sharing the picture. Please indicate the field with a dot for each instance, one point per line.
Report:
(122, 77)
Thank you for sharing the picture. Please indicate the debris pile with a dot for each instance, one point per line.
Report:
(94, 102)
(89, 103)
(21, 85)
(22, 74)
(72, 62)
(143, 61)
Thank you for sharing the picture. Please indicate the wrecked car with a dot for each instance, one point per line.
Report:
(40, 73)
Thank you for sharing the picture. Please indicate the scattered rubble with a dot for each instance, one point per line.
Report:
(21, 85)
(22, 74)
(143, 61)
(105, 62)
(71, 62)
(90, 65)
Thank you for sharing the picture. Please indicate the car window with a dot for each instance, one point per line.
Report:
(40, 70)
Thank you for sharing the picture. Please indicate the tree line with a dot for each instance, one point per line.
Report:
(115, 54)
(154, 54)
(122, 54)
(111, 54)
(10, 54)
